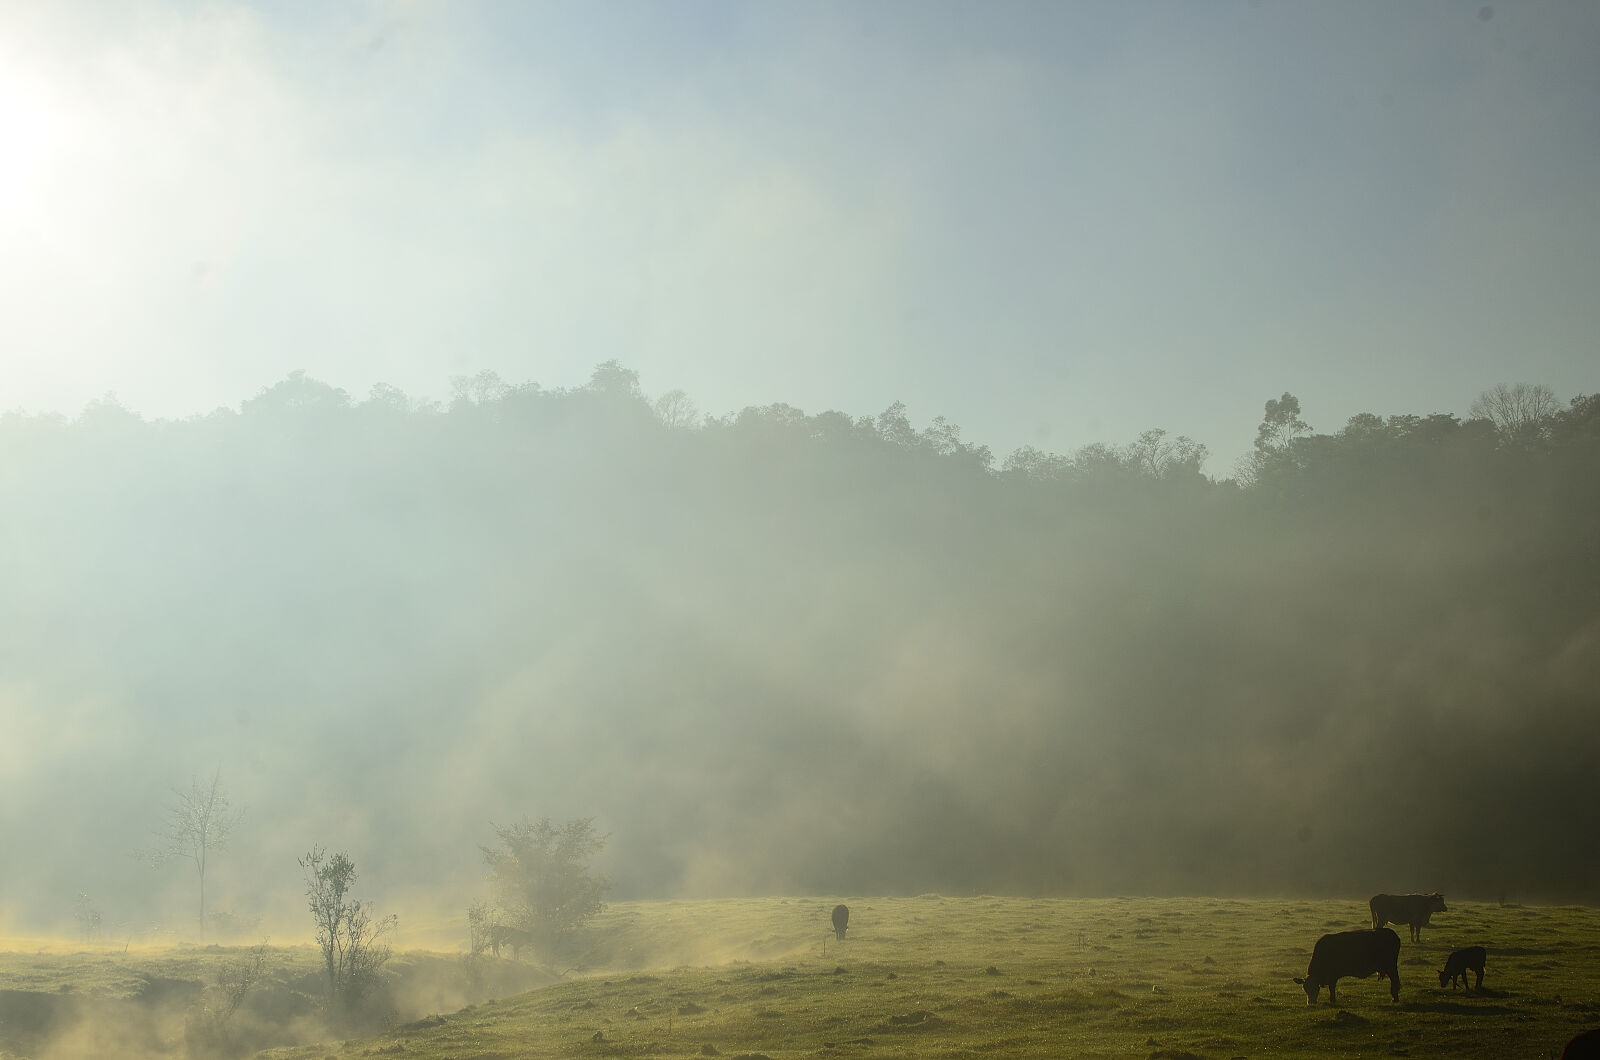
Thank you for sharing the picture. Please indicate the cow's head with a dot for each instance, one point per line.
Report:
(1312, 988)
(1436, 903)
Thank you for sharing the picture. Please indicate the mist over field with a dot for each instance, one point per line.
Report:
(787, 653)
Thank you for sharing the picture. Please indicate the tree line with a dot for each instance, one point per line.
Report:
(775, 651)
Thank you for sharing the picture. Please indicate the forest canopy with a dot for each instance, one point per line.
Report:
(781, 652)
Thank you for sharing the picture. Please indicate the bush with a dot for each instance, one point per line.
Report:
(541, 876)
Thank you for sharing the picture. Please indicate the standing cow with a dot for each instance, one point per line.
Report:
(1410, 909)
(841, 920)
(505, 935)
(1357, 954)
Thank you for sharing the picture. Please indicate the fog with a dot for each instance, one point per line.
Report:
(782, 652)
(1055, 224)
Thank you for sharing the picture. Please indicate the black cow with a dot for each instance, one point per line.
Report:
(1585, 1046)
(841, 920)
(1409, 909)
(1357, 954)
(1457, 964)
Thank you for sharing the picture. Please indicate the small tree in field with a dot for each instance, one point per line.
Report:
(541, 875)
(198, 824)
(346, 931)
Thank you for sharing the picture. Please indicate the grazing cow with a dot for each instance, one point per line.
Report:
(1409, 909)
(1585, 1046)
(841, 920)
(1457, 964)
(505, 935)
(1357, 954)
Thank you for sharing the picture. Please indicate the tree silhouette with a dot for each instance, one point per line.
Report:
(541, 873)
(1521, 413)
(346, 931)
(198, 825)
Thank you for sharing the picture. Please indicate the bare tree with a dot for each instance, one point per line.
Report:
(675, 410)
(346, 930)
(1520, 413)
(198, 824)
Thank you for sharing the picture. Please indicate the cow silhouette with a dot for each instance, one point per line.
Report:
(1412, 910)
(1457, 965)
(1356, 954)
(505, 935)
(841, 920)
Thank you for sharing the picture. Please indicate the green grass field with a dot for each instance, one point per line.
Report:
(917, 977)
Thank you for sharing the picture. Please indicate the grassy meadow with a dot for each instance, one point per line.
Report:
(916, 977)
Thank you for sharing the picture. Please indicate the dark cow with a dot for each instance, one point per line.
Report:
(1357, 954)
(1457, 964)
(504, 935)
(841, 920)
(1410, 909)
(1585, 1046)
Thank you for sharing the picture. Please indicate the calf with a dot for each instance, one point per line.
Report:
(841, 920)
(1457, 964)
(1352, 953)
(1410, 909)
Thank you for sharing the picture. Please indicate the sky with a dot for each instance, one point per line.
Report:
(1052, 224)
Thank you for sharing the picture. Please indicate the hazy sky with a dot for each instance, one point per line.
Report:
(1052, 223)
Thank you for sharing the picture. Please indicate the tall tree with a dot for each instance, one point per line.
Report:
(1280, 425)
(198, 825)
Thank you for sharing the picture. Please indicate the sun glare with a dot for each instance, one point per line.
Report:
(31, 126)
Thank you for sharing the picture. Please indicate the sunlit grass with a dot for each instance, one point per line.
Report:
(983, 977)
